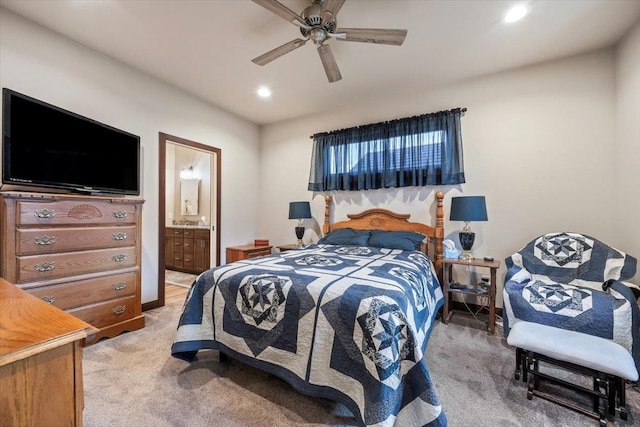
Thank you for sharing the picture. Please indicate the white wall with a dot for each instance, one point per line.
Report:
(626, 206)
(538, 143)
(42, 64)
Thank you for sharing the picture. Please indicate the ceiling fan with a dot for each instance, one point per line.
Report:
(318, 23)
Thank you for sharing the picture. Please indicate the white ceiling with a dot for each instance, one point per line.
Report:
(205, 47)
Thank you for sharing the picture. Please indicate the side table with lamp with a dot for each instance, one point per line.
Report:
(467, 209)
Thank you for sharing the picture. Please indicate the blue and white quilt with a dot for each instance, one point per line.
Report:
(345, 323)
(557, 280)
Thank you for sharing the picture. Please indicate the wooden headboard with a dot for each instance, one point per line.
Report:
(383, 219)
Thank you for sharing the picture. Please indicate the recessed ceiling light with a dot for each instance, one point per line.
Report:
(264, 92)
(516, 13)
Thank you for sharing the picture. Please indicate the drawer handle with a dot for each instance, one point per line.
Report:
(45, 240)
(45, 266)
(119, 309)
(120, 214)
(45, 213)
(119, 257)
(48, 299)
(119, 286)
(119, 236)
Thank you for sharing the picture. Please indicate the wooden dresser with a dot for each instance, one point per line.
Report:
(187, 249)
(78, 253)
(237, 253)
(40, 362)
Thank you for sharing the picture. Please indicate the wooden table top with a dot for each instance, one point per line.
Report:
(29, 325)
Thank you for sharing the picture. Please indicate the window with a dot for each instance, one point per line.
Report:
(417, 151)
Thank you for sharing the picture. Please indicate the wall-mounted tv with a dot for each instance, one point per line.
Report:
(47, 146)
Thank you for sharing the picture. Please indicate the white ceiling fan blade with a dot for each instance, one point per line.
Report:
(371, 35)
(330, 8)
(329, 63)
(282, 11)
(278, 52)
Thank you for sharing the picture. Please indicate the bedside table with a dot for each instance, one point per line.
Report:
(447, 290)
(284, 248)
(237, 253)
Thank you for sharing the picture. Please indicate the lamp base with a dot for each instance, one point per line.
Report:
(466, 240)
(466, 256)
(299, 235)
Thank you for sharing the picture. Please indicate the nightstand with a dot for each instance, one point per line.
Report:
(448, 291)
(284, 248)
(237, 253)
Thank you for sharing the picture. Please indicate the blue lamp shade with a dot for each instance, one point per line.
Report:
(299, 210)
(469, 208)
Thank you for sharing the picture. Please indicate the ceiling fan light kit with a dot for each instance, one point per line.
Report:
(318, 23)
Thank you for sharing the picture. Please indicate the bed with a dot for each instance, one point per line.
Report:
(345, 319)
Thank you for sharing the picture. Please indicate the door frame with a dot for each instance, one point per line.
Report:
(162, 197)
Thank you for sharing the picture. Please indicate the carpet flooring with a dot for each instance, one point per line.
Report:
(132, 380)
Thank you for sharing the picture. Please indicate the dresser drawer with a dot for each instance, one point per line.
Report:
(108, 312)
(187, 246)
(85, 292)
(178, 244)
(259, 252)
(174, 232)
(188, 262)
(188, 233)
(48, 240)
(74, 212)
(39, 267)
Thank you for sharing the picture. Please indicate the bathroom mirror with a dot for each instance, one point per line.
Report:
(189, 196)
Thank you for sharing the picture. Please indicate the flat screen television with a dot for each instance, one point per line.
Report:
(47, 146)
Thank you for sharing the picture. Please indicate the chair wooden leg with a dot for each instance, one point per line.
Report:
(622, 400)
(518, 363)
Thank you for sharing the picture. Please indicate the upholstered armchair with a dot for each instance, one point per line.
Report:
(574, 282)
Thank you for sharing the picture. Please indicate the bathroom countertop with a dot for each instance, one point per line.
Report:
(200, 227)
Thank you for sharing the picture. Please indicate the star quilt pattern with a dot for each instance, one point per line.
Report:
(341, 322)
(557, 280)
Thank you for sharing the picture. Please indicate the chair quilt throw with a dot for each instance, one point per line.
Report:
(557, 280)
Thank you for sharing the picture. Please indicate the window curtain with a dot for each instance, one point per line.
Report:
(414, 151)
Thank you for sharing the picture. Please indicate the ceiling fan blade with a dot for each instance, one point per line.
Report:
(330, 8)
(281, 10)
(329, 63)
(276, 53)
(371, 35)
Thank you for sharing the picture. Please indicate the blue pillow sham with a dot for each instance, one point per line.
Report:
(405, 240)
(346, 236)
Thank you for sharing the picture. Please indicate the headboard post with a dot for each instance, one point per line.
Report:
(440, 235)
(439, 224)
(327, 209)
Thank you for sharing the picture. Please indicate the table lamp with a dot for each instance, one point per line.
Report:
(469, 208)
(299, 211)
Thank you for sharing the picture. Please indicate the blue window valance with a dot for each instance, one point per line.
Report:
(414, 151)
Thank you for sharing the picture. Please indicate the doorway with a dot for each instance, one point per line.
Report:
(202, 205)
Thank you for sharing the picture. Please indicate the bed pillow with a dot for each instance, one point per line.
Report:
(405, 240)
(346, 236)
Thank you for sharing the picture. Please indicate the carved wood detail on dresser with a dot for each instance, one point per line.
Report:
(81, 254)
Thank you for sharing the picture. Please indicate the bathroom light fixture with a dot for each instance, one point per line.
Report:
(187, 173)
(516, 13)
(263, 92)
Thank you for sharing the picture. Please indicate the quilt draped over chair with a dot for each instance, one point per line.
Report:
(557, 280)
